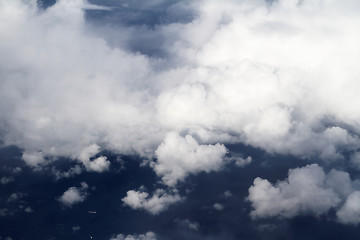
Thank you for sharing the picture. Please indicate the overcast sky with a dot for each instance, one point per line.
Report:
(182, 119)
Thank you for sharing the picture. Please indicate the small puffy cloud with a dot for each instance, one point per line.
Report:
(33, 159)
(6, 180)
(349, 213)
(76, 170)
(146, 236)
(74, 195)
(227, 194)
(15, 196)
(186, 223)
(4, 212)
(178, 156)
(155, 204)
(218, 207)
(76, 228)
(99, 164)
(240, 161)
(303, 192)
(28, 210)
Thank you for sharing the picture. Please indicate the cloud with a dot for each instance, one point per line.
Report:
(155, 204)
(74, 195)
(227, 194)
(76, 228)
(146, 236)
(16, 196)
(6, 180)
(178, 156)
(304, 192)
(33, 158)
(218, 207)
(349, 213)
(307, 191)
(28, 210)
(256, 74)
(188, 224)
(76, 170)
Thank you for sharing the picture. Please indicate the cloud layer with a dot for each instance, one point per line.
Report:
(282, 77)
(252, 75)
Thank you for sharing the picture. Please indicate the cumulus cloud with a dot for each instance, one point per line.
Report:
(218, 206)
(74, 195)
(154, 204)
(177, 157)
(227, 194)
(6, 180)
(307, 191)
(304, 192)
(146, 236)
(349, 213)
(256, 74)
(16, 196)
(76, 170)
(186, 223)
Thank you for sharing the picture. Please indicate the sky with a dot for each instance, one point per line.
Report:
(179, 119)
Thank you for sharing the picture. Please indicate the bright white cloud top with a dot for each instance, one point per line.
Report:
(307, 190)
(155, 204)
(74, 195)
(283, 77)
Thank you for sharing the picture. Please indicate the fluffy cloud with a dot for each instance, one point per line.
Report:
(307, 190)
(155, 204)
(256, 73)
(6, 180)
(349, 213)
(146, 236)
(179, 156)
(74, 195)
(15, 197)
(218, 207)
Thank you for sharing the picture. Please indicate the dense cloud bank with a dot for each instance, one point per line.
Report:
(282, 77)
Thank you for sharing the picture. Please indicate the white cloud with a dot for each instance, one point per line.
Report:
(227, 194)
(76, 170)
(192, 225)
(349, 213)
(218, 207)
(146, 236)
(15, 196)
(99, 164)
(155, 204)
(304, 192)
(307, 191)
(240, 161)
(178, 156)
(255, 74)
(6, 180)
(76, 228)
(28, 210)
(33, 158)
(74, 195)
